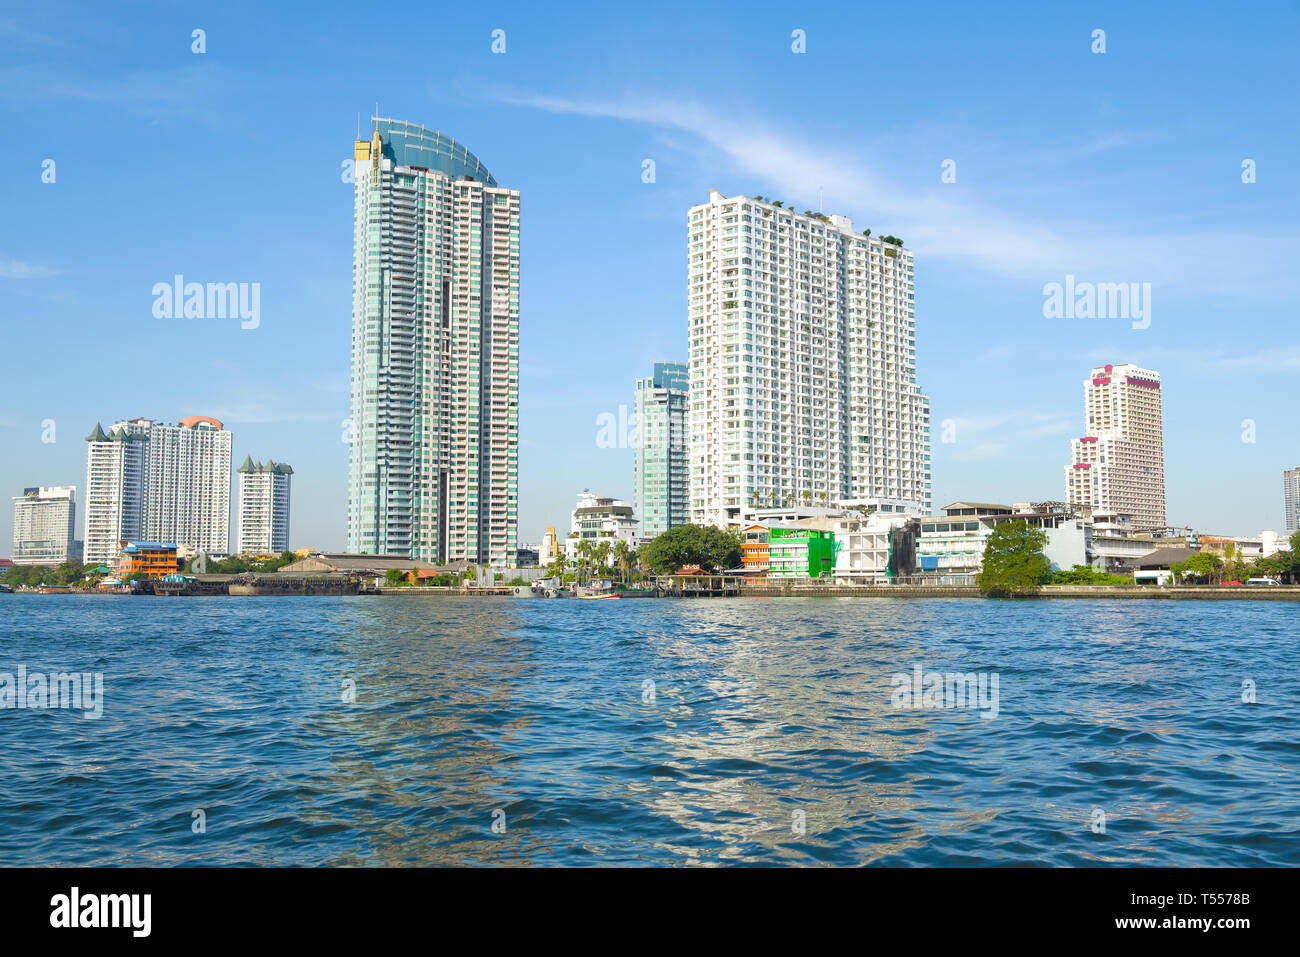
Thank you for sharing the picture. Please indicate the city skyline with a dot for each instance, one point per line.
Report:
(999, 372)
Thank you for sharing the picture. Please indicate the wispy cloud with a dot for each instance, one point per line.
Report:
(994, 434)
(198, 86)
(940, 226)
(17, 269)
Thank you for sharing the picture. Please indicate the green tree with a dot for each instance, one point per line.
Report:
(622, 552)
(1014, 563)
(601, 555)
(1087, 575)
(710, 548)
(393, 576)
(1204, 565)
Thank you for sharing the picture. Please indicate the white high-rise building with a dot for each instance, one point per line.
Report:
(151, 481)
(263, 525)
(187, 484)
(45, 526)
(1118, 467)
(803, 363)
(434, 429)
(114, 506)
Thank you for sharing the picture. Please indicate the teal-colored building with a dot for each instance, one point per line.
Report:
(800, 553)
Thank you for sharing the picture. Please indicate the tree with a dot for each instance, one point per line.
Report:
(393, 576)
(601, 554)
(1014, 563)
(1087, 575)
(584, 553)
(621, 553)
(1201, 565)
(710, 548)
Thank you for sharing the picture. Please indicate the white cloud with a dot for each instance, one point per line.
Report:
(16, 269)
(938, 226)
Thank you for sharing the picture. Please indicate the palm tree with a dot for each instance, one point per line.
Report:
(601, 552)
(621, 550)
(584, 552)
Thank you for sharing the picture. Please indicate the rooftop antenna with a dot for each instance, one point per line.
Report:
(819, 200)
(358, 124)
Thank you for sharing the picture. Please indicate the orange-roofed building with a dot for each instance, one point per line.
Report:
(754, 552)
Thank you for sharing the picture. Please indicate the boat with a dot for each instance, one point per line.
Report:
(599, 597)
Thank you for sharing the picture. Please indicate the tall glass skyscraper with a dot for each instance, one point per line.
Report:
(434, 431)
(661, 481)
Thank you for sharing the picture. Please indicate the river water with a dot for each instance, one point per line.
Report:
(449, 731)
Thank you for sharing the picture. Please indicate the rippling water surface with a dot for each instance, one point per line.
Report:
(537, 715)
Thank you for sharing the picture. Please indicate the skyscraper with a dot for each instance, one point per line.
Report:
(165, 483)
(803, 363)
(434, 428)
(263, 524)
(1291, 498)
(45, 526)
(187, 484)
(661, 490)
(1119, 465)
(114, 507)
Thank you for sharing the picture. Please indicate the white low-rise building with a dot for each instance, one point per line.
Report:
(599, 518)
(950, 547)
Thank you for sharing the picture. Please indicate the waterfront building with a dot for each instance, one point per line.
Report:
(263, 524)
(1119, 465)
(599, 518)
(800, 553)
(755, 552)
(869, 548)
(661, 481)
(803, 363)
(1113, 547)
(1156, 567)
(151, 559)
(1291, 498)
(434, 427)
(874, 549)
(45, 526)
(114, 505)
(950, 547)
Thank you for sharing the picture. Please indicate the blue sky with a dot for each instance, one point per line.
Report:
(225, 166)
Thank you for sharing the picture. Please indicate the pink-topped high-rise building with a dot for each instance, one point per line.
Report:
(1119, 465)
